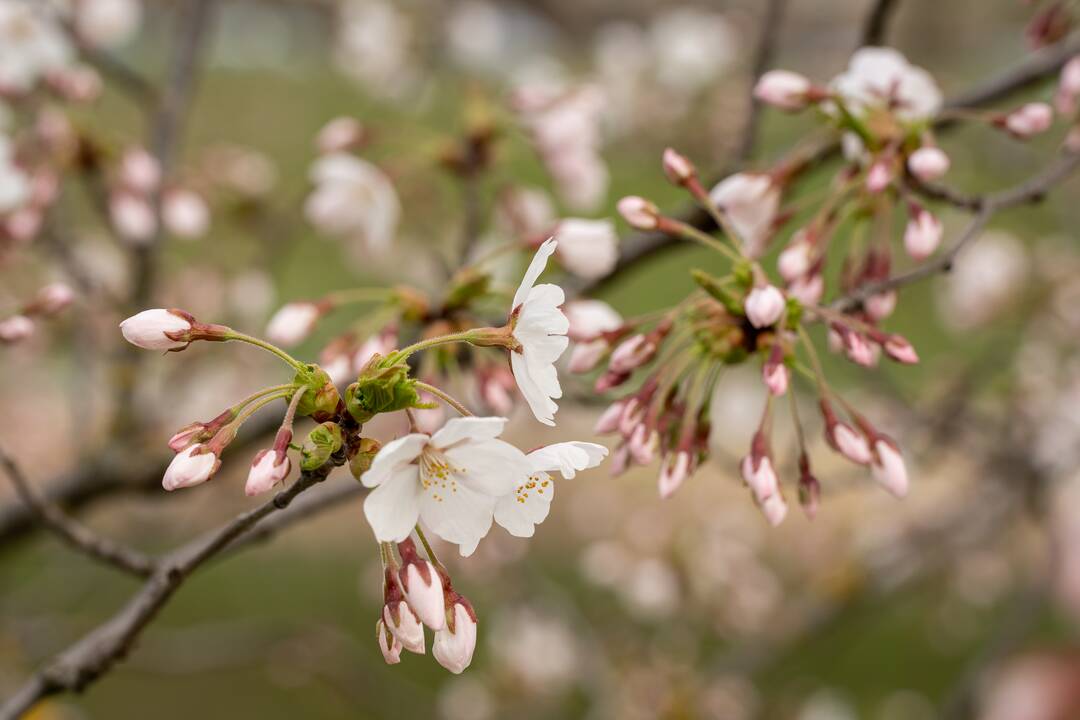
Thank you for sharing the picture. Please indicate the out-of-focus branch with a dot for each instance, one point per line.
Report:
(127, 78)
(78, 536)
(985, 207)
(877, 22)
(88, 659)
(771, 21)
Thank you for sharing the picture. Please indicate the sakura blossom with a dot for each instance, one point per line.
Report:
(353, 198)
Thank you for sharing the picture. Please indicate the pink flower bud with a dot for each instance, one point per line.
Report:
(405, 625)
(764, 306)
(631, 354)
(678, 168)
(783, 89)
(388, 643)
(928, 163)
(796, 259)
(267, 470)
(673, 472)
(424, 591)
(293, 323)
(52, 299)
(1028, 120)
(774, 373)
(156, 329)
(643, 444)
(132, 216)
(496, 390)
(23, 224)
(922, 234)
(888, 468)
(140, 172)
(609, 419)
(880, 306)
(632, 416)
(809, 489)
(774, 508)
(589, 318)
(880, 175)
(760, 477)
(339, 135)
(16, 328)
(78, 83)
(620, 461)
(900, 350)
(849, 443)
(858, 349)
(193, 466)
(586, 356)
(185, 213)
(639, 213)
(1068, 92)
(455, 643)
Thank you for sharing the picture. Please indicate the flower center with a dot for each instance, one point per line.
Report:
(437, 474)
(537, 483)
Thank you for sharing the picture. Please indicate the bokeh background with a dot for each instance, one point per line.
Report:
(622, 606)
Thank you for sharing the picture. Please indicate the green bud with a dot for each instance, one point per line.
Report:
(321, 397)
(322, 442)
(744, 274)
(365, 454)
(794, 313)
(717, 290)
(381, 390)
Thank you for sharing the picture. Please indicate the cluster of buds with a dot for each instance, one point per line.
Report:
(137, 191)
(418, 594)
(678, 355)
(48, 302)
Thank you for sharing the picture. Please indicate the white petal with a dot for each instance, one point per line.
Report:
(393, 508)
(567, 458)
(392, 456)
(528, 506)
(491, 467)
(541, 404)
(468, 428)
(459, 515)
(539, 262)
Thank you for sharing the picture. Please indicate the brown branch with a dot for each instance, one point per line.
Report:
(985, 207)
(877, 22)
(78, 536)
(73, 669)
(771, 21)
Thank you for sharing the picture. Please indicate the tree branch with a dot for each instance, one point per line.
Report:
(78, 536)
(98, 651)
(877, 23)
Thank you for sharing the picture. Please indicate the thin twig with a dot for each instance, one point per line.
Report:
(877, 23)
(78, 536)
(768, 36)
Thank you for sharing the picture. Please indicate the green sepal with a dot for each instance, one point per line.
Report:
(321, 397)
(794, 314)
(365, 454)
(381, 390)
(717, 290)
(323, 441)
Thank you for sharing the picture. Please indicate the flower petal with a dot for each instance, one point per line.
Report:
(541, 404)
(392, 456)
(539, 262)
(394, 506)
(528, 506)
(567, 458)
(491, 467)
(461, 515)
(468, 428)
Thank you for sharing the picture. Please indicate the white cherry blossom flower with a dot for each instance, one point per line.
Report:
(587, 248)
(528, 505)
(540, 328)
(449, 481)
(751, 202)
(879, 78)
(352, 197)
(32, 44)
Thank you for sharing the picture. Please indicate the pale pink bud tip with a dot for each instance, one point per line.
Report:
(776, 377)
(677, 167)
(764, 306)
(900, 350)
(53, 298)
(762, 480)
(928, 163)
(673, 473)
(851, 444)
(1030, 119)
(783, 89)
(339, 134)
(774, 508)
(389, 645)
(922, 236)
(889, 469)
(405, 626)
(639, 212)
(454, 648)
(193, 466)
(424, 591)
(879, 176)
(267, 470)
(151, 329)
(16, 328)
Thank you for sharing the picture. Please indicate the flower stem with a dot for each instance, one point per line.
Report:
(237, 407)
(445, 397)
(463, 336)
(427, 548)
(269, 347)
(819, 374)
(287, 421)
(689, 232)
(260, 404)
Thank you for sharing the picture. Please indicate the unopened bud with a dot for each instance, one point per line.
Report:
(677, 167)
(1027, 120)
(639, 213)
(928, 163)
(783, 89)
